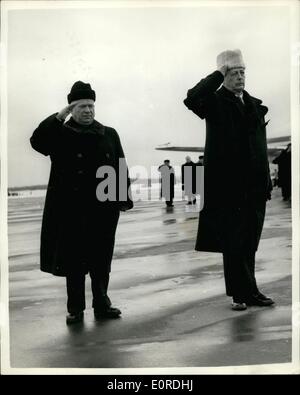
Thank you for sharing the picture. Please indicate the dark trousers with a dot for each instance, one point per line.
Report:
(239, 272)
(76, 291)
(96, 248)
(286, 189)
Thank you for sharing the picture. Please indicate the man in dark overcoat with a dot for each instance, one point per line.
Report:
(188, 180)
(80, 218)
(167, 182)
(199, 178)
(237, 182)
(284, 162)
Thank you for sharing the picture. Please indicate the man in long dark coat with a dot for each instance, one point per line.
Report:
(284, 163)
(167, 182)
(188, 180)
(79, 221)
(236, 175)
(199, 178)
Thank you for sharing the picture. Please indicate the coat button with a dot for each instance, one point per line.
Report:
(80, 172)
(107, 155)
(79, 155)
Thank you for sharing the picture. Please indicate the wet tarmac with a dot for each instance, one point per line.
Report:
(174, 309)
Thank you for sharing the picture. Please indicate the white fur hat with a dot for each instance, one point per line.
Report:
(231, 59)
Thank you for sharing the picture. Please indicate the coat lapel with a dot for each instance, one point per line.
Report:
(230, 97)
(253, 109)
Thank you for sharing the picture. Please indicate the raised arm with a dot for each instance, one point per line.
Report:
(46, 136)
(201, 97)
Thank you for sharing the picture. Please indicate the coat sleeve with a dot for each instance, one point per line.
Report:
(128, 203)
(278, 159)
(182, 177)
(46, 136)
(200, 98)
(174, 175)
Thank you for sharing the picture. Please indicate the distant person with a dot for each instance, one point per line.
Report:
(237, 182)
(188, 180)
(199, 175)
(167, 182)
(284, 162)
(78, 229)
(200, 160)
(275, 178)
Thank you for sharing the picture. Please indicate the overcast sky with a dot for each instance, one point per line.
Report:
(140, 62)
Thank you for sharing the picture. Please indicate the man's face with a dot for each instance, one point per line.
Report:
(235, 79)
(84, 112)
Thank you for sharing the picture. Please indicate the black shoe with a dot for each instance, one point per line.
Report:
(194, 201)
(264, 297)
(74, 318)
(109, 312)
(259, 300)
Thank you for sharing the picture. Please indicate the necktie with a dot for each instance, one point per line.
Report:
(240, 99)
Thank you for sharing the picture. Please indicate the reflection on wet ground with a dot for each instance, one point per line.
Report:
(169, 221)
(174, 312)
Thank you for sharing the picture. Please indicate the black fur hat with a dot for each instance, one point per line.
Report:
(81, 90)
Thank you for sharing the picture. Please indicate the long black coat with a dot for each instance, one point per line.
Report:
(236, 168)
(77, 229)
(284, 172)
(188, 177)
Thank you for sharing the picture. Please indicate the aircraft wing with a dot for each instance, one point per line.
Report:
(272, 150)
(281, 139)
(182, 149)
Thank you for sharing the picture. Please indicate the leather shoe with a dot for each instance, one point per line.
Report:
(263, 297)
(74, 318)
(109, 312)
(259, 300)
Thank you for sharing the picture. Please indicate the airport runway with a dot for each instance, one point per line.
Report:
(175, 312)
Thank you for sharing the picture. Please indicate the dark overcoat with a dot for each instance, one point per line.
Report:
(283, 160)
(236, 168)
(188, 177)
(78, 230)
(167, 181)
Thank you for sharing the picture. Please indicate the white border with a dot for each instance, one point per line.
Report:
(96, 4)
(285, 368)
(4, 289)
(295, 128)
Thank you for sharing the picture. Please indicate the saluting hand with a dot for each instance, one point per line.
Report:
(62, 115)
(223, 69)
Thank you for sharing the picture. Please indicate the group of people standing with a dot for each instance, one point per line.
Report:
(78, 230)
(191, 180)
